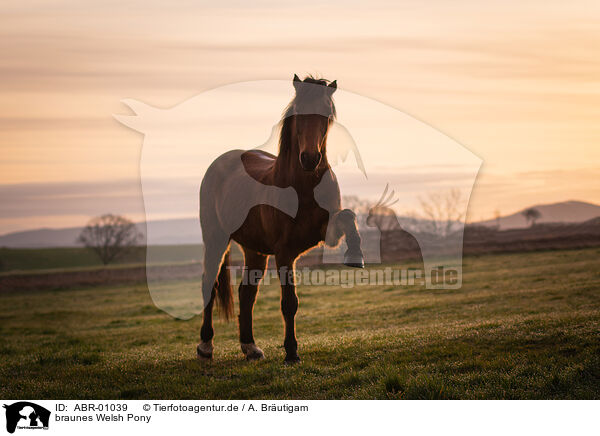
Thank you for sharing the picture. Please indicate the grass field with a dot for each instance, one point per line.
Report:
(522, 326)
(51, 259)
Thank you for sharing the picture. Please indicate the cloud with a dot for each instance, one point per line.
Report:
(510, 79)
(82, 198)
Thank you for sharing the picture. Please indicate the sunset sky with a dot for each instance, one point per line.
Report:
(517, 83)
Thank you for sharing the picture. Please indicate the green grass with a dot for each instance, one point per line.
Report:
(76, 258)
(24, 259)
(522, 326)
(31, 260)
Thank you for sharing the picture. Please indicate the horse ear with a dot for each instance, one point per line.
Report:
(297, 82)
(332, 86)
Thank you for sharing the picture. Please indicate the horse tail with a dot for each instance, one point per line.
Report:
(224, 289)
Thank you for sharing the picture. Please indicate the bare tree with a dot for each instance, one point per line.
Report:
(110, 236)
(531, 215)
(442, 211)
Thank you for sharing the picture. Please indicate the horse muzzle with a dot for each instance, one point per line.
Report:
(309, 161)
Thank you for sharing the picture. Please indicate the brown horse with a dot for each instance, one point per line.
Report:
(273, 205)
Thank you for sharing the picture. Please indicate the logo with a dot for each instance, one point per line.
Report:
(26, 415)
(388, 189)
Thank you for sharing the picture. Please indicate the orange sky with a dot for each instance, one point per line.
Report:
(518, 83)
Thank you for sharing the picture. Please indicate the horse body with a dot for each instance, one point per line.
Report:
(297, 233)
(273, 205)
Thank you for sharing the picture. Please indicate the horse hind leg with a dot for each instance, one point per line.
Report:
(256, 264)
(204, 350)
(215, 256)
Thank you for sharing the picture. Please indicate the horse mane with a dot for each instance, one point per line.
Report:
(305, 96)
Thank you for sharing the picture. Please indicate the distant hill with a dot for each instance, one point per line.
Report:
(564, 212)
(166, 232)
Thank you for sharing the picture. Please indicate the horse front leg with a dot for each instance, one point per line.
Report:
(341, 223)
(289, 306)
(256, 264)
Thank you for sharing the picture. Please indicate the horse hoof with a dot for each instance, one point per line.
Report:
(254, 356)
(291, 360)
(252, 352)
(354, 258)
(204, 351)
(355, 265)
